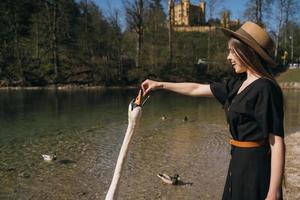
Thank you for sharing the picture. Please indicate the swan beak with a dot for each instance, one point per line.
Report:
(138, 99)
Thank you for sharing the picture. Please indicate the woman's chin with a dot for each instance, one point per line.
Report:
(239, 71)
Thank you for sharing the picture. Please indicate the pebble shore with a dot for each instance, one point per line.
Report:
(292, 170)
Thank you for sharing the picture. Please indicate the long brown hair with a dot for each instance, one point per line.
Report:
(249, 58)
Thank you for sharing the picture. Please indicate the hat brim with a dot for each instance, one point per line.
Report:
(260, 51)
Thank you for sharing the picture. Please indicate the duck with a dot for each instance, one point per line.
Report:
(49, 157)
(172, 180)
(185, 119)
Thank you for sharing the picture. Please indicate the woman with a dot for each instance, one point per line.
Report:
(253, 103)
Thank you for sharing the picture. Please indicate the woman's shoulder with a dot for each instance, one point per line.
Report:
(235, 79)
(268, 86)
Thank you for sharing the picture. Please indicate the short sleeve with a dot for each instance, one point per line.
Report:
(221, 90)
(269, 110)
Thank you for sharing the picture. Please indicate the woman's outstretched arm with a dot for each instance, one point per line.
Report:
(189, 89)
(277, 166)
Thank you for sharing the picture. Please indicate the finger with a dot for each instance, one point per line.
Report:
(145, 82)
(147, 91)
(143, 86)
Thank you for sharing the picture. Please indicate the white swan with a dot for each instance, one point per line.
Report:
(134, 115)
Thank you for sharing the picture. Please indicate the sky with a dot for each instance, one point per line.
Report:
(235, 6)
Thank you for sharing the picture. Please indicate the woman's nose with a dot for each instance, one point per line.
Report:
(228, 57)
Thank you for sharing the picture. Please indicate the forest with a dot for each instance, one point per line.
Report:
(51, 42)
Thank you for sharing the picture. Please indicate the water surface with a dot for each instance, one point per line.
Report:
(85, 128)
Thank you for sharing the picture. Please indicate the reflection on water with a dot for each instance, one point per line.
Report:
(85, 129)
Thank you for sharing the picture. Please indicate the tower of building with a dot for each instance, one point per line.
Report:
(225, 19)
(185, 12)
(202, 13)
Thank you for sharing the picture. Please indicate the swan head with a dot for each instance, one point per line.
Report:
(135, 107)
(134, 111)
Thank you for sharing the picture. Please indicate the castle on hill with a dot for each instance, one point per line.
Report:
(186, 17)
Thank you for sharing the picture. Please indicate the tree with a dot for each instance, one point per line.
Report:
(155, 35)
(258, 10)
(290, 8)
(170, 14)
(116, 39)
(52, 12)
(285, 11)
(135, 20)
(17, 15)
(212, 5)
(279, 17)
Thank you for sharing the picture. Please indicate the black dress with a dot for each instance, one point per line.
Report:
(252, 115)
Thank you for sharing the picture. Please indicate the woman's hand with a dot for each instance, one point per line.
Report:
(274, 196)
(149, 85)
(271, 197)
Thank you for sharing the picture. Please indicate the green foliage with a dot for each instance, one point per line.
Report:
(291, 75)
(72, 42)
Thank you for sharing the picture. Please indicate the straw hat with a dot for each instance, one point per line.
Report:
(257, 38)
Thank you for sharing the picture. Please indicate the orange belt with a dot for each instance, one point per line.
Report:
(246, 144)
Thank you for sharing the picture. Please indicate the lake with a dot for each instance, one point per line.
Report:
(85, 129)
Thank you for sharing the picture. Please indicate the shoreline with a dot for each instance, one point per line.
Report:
(292, 163)
(283, 85)
(290, 85)
(66, 87)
